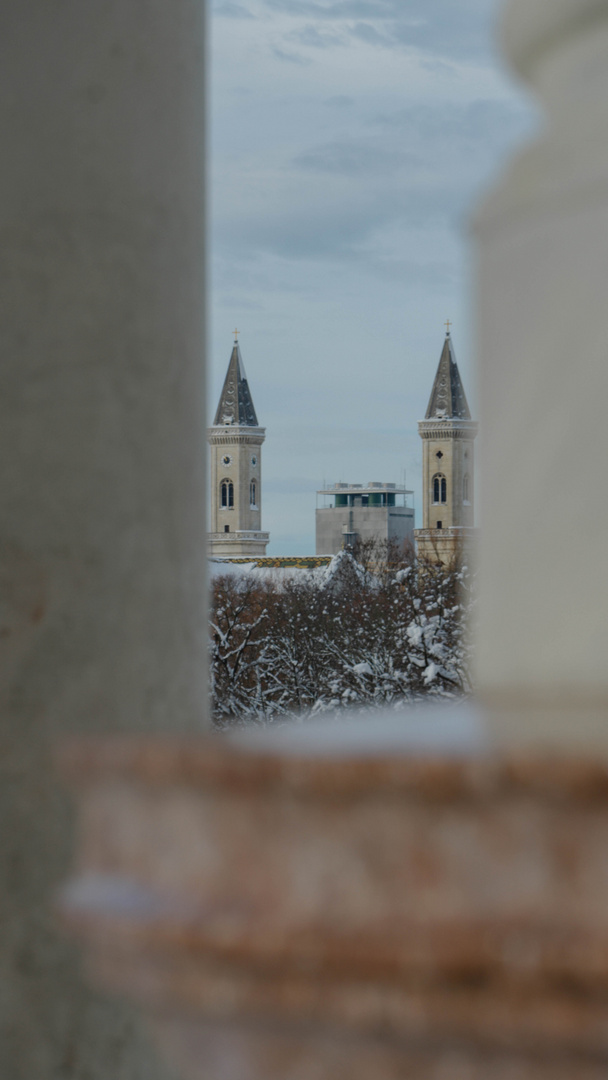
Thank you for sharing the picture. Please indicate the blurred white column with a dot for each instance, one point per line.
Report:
(543, 355)
(101, 458)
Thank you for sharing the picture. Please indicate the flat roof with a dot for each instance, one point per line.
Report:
(373, 488)
(301, 562)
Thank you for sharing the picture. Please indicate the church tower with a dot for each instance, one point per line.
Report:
(236, 468)
(448, 466)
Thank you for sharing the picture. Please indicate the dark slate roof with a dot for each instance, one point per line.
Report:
(448, 396)
(236, 404)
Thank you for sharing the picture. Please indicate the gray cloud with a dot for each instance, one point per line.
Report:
(458, 28)
(290, 57)
(355, 157)
(339, 101)
(339, 231)
(366, 32)
(413, 170)
(339, 9)
(477, 120)
(409, 272)
(229, 10)
(302, 234)
(334, 9)
(316, 39)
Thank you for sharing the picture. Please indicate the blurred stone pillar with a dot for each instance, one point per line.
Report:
(543, 353)
(101, 459)
(364, 899)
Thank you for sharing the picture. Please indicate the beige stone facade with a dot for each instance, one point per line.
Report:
(236, 459)
(235, 441)
(448, 466)
(447, 545)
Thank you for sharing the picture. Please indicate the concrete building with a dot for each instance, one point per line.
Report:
(236, 468)
(375, 512)
(448, 465)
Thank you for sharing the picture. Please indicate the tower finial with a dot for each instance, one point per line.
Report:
(447, 324)
(236, 336)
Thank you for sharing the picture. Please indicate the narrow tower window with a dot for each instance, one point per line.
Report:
(440, 488)
(465, 488)
(227, 495)
(252, 493)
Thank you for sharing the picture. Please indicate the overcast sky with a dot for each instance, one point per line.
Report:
(349, 139)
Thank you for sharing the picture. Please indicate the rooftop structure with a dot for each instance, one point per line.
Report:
(358, 512)
(372, 494)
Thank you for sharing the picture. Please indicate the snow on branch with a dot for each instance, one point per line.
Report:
(373, 628)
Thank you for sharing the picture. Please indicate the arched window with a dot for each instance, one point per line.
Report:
(227, 495)
(252, 494)
(440, 489)
(465, 488)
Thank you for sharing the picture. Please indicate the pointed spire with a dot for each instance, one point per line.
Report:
(447, 396)
(236, 404)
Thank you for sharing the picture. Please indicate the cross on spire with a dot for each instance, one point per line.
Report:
(236, 336)
(447, 324)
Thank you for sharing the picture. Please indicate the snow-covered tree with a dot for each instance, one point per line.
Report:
(372, 628)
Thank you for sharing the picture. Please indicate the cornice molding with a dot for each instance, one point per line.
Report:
(238, 535)
(452, 530)
(448, 429)
(235, 436)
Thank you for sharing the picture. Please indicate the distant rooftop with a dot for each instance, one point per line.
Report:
(271, 562)
(372, 488)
